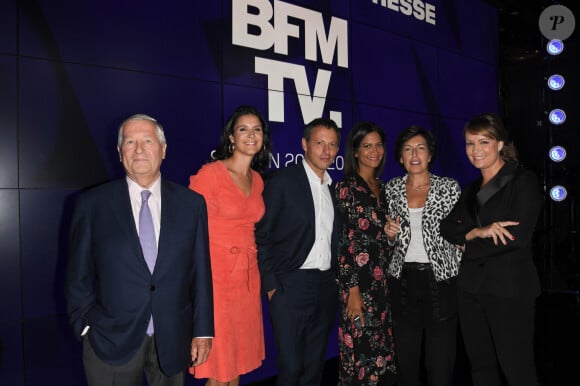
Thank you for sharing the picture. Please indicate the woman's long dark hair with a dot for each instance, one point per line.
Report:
(224, 150)
(355, 137)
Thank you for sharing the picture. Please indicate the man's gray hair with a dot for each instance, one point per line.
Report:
(142, 117)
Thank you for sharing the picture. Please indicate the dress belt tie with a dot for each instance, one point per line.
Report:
(249, 251)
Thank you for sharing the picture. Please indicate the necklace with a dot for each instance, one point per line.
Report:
(418, 187)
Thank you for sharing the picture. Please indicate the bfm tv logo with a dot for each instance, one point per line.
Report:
(276, 34)
(275, 28)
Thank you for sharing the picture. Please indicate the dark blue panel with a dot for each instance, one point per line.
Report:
(8, 160)
(401, 74)
(56, 146)
(340, 9)
(451, 153)
(9, 256)
(383, 18)
(11, 364)
(44, 221)
(469, 29)
(8, 27)
(171, 37)
(235, 96)
(51, 353)
(68, 127)
(467, 87)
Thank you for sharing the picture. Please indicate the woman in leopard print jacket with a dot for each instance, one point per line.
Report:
(424, 266)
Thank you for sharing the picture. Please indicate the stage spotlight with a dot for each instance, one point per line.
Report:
(557, 116)
(556, 82)
(555, 47)
(557, 154)
(558, 193)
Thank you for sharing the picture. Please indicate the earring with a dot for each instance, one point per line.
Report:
(231, 148)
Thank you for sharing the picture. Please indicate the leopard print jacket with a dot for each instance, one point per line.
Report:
(443, 194)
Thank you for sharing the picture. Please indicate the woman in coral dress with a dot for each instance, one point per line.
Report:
(232, 188)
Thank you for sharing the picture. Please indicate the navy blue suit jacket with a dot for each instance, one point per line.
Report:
(285, 234)
(110, 288)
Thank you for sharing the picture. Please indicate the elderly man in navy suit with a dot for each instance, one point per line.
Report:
(139, 290)
(297, 251)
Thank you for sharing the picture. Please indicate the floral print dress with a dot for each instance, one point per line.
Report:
(366, 355)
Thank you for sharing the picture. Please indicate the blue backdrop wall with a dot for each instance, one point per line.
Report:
(71, 71)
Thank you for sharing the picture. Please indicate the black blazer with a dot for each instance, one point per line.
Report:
(285, 234)
(501, 270)
(110, 288)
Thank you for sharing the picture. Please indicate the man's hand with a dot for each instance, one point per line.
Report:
(200, 348)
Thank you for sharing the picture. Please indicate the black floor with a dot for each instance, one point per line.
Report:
(557, 345)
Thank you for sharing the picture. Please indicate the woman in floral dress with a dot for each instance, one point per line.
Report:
(364, 333)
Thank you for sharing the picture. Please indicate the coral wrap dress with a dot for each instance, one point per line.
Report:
(238, 345)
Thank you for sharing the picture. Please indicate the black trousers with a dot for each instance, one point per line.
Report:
(303, 311)
(424, 315)
(145, 361)
(498, 334)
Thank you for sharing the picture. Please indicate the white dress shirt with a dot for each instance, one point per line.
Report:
(320, 255)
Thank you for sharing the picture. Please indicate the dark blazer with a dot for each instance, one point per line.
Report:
(502, 270)
(110, 288)
(285, 234)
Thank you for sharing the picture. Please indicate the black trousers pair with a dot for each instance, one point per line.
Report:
(499, 338)
(303, 311)
(424, 323)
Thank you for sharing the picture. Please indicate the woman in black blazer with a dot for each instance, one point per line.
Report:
(494, 220)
